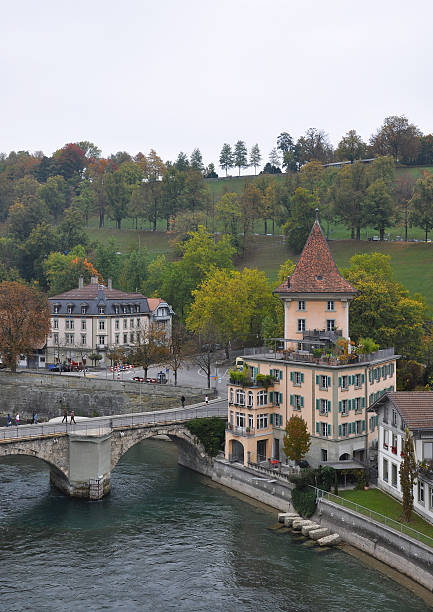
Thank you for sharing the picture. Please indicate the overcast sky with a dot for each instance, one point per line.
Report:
(174, 75)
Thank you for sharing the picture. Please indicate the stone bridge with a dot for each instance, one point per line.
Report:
(82, 456)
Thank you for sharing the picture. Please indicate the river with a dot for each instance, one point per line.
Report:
(165, 540)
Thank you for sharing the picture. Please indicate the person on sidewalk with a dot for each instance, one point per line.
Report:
(35, 418)
(65, 417)
(17, 419)
(72, 415)
(206, 400)
(8, 420)
(182, 399)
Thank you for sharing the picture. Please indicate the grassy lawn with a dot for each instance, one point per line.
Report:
(375, 500)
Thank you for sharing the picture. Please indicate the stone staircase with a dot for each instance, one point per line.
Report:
(308, 528)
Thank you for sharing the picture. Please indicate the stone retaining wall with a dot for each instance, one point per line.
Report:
(50, 394)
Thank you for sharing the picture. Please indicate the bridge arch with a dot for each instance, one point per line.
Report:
(191, 450)
(53, 451)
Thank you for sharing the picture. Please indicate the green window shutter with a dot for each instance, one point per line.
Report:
(339, 381)
(281, 398)
(363, 425)
(362, 379)
(350, 428)
(291, 376)
(317, 404)
(329, 381)
(302, 401)
(291, 400)
(363, 402)
(376, 419)
(339, 430)
(271, 396)
(317, 379)
(271, 419)
(328, 406)
(302, 377)
(329, 430)
(349, 404)
(271, 372)
(339, 406)
(350, 379)
(255, 372)
(281, 374)
(317, 427)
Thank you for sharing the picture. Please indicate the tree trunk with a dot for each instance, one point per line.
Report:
(227, 350)
(382, 233)
(101, 219)
(405, 228)
(208, 378)
(352, 234)
(154, 224)
(273, 227)
(175, 377)
(118, 221)
(358, 232)
(426, 234)
(136, 223)
(168, 223)
(266, 226)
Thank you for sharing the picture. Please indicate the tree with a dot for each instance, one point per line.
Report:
(210, 171)
(22, 218)
(274, 158)
(195, 193)
(63, 271)
(150, 347)
(351, 147)
(43, 240)
(55, 194)
(302, 213)
(70, 161)
(408, 475)
(24, 321)
(205, 353)
(255, 157)
(297, 441)
(226, 157)
(397, 137)
(228, 212)
(153, 169)
(196, 160)
(288, 149)
(172, 193)
(348, 193)
(314, 146)
(403, 191)
(182, 162)
(117, 196)
(107, 260)
(85, 200)
(134, 270)
(240, 155)
(378, 207)
(89, 149)
(175, 356)
(72, 230)
(421, 204)
(250, 204)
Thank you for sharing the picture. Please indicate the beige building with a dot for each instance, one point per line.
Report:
(313, 374)
(96, 317)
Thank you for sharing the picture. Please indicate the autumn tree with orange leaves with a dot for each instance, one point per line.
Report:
(24, 321)
(63, 271)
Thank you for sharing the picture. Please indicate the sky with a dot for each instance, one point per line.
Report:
(174, 75)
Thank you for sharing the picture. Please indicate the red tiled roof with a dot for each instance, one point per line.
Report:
(415, 407)
(154, 303)
(90, 292)
(316, 271)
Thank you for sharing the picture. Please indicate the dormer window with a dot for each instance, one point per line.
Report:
(83, 309)
(56, 308)
(69, 308)
(101, 309)
(137, 308)
(116, 309)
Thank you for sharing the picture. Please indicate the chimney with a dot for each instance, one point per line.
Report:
(288, 282)
(110, 283)
(81, 282)
(94, 280)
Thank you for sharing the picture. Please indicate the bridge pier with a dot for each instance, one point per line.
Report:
(89, 467)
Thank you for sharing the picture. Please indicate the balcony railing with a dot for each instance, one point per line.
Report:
(240, 431)
(332, 360)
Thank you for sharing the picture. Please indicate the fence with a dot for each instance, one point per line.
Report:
(273, 472)
(103, 425)
(373, 515)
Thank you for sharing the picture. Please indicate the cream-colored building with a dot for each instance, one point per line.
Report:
(96, 317)
(310, 375)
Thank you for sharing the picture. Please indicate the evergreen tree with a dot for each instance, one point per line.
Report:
(408, 475)
(196, 160)
(240, 155)
(255, 157)
(226, 157)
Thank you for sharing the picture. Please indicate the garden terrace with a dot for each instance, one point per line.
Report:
(330, 359)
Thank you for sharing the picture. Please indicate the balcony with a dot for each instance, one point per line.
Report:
(240, 379)
(240, 431)
(331, 359)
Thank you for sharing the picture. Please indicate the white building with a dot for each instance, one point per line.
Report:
(396, 411)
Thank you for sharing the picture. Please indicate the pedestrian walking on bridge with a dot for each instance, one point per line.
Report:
(17, 419)
(8, 420)
(72, 415)
(182, 399)
(65, 417)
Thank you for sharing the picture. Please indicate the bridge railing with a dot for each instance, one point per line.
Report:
(102, 425)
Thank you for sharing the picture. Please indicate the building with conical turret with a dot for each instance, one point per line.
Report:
(314, 372)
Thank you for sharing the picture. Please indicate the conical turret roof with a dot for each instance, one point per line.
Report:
(316, 270)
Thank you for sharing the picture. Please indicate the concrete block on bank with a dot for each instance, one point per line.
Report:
(288, 521)
(307, 528)
(316, 534)
(299, 523)
(283, 515)
(330, 540)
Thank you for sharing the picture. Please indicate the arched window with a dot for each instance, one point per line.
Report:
(250, 399)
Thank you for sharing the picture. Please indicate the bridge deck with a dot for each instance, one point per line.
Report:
(99, 426)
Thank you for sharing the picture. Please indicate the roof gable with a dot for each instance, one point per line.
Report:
(316, 270)
(415, 407)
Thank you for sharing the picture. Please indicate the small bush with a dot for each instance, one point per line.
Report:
(304, 502)
(211, 433)
(305, 478)
(265, 379)
(325, 478)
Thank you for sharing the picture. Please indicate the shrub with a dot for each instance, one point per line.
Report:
(325, 478)
(305, 478)
(239, 377)
(265, 379)
(304, 501)
(211, 433)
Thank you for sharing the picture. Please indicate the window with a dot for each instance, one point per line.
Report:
(131, 323)
(101, 325)
(83, 339)
(427, 451)
(301, 305)
(344, 382)
(56, 338)
(69, 338)
(116, 324)
(125, 323)
(69, 324)
(131, 337)
(125, 338)
(324, 382)
(298, 378)
(385, 470)
(56, 324)
(137, 308)
(297, 402)
(56, 308)
(394, 418)
(138, 321)
(101, 339)
(231, 396)
(116, 339)
(358, 427)
(251, 421)
(344, 429)
(330, 325)
(394, 444)
(83, 324)
(344, 407)
(323, 454)
(101, 309)
(385, 414)
(262, 398)
(331, 305)
(420, 488)
(240, 419)
(324, 429)
(262, 421)
(394, 475)
(357, 380)
(83, 309)
(240, 397)
(356, 404)
(323, 406)
(116, 309)
(385, 438)
(301, 325)
(250, 399)
(69, 309)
